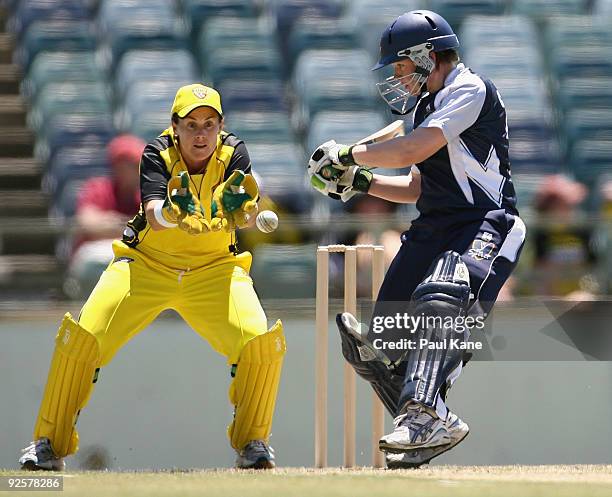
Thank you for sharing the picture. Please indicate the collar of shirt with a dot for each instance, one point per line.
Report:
(450, 78)
(454, 73)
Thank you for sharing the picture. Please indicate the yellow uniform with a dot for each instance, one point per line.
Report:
(170, 269)
(201, 277)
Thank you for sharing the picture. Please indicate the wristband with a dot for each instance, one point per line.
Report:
(159, 216)
(345, 156)
(362, 180)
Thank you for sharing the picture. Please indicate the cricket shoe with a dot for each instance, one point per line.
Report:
(39, 456)
(416, 428)
(414, 458)
(257, 454)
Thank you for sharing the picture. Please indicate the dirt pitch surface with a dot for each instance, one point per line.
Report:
(455, 481)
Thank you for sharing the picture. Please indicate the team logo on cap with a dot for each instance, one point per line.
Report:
(199, 91)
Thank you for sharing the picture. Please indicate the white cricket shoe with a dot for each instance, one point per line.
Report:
(457, 429)
(417, 428)
(39, 456)
(257, 454)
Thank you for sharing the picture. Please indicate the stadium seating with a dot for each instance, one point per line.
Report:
(295, 73)
(372, 17)
(520, 77)
(533, 154)
(580, 124)
(64, 201)
(72, 129)
(27, 12)
(284, 271)
(333, 80)
(345, 127)
(313, 33)
(74, 162)
(226, 32)
(55, 35)
(148, 125)
(144, 34)
(269, 58)
(577, 31)
(280, 158)
(497, 31)
(154, 65)
(602, 8)
(265, 127)
(60, 99)
(59, 67)
(590, 158)
(243, 63)
(526, 186)
(545, 9)
(110, 12)
(282, 172)
(253, 96)
(144, 97)
(286, 12)
(455, 11)
(199, 11)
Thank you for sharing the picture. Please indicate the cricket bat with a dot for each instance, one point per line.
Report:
(393, 130)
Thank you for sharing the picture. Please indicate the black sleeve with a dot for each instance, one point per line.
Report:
(240, 159)
(153, 175)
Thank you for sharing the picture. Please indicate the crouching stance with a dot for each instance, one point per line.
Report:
(177, 253)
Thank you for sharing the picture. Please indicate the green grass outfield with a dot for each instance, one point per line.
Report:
(455, 481)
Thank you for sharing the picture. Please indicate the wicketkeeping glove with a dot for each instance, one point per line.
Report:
(182, 208)
(234, 202)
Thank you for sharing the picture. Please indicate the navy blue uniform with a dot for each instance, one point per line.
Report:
(467, 205)
(467, 202)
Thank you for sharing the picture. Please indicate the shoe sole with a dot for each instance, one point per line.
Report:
(32, 466)
(436, 451)
(261, 463)
(397, 448)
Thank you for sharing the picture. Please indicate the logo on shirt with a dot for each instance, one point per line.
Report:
(199, 91)
(482, 248)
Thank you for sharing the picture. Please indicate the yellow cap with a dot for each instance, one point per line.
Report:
(193, 96)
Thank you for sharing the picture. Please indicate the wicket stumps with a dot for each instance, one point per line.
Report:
(322, 323)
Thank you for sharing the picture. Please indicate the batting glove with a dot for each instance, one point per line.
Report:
(353, 180)
(331, 159)
(234, 202)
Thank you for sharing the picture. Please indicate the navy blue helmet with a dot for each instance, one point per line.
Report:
(412, 30)
(413, 36)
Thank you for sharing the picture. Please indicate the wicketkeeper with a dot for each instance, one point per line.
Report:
(179, 252)
(459, 251)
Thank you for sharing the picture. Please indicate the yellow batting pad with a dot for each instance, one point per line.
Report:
(253, 391)
(69, 385)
